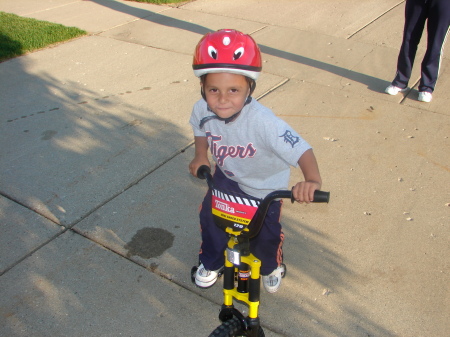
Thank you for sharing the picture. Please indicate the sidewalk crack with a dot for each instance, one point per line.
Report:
(273, 89)
(379, 16)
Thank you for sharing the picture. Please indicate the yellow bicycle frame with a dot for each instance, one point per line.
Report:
(251, 298)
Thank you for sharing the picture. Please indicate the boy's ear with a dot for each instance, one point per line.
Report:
(202, 92)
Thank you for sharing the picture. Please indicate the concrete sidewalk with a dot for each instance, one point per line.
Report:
(98, 211)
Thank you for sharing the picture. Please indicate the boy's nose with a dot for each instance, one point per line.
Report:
(222, 98)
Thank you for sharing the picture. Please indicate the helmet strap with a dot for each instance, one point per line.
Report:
(226, 120)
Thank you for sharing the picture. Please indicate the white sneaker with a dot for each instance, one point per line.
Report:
(205, 278)
(393, 90)
(425, 96)
(273, 281)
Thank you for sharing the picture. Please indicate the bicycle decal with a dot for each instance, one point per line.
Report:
(233, 208)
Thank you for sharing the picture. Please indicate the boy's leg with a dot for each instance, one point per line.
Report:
(214, 240)
(268, 244)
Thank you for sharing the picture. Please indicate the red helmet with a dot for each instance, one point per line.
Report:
(227, 51)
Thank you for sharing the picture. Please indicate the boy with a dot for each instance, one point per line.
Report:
(252, 148)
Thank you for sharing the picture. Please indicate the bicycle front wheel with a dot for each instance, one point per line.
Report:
(232, 328)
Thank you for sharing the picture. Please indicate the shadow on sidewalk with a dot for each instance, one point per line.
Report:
(371, 82)
(67, 149)
(74, 128)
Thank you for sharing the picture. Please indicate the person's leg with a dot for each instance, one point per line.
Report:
(437, 28)
(415, 17)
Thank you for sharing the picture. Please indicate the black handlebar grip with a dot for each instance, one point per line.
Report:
(321, 196)
(203, 171)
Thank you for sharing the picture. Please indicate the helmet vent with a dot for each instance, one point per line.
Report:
(226, 41)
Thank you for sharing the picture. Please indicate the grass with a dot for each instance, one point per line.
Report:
(20, 35)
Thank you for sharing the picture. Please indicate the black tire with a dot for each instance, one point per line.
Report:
(285, 271)
(232, 328)
(193, 272)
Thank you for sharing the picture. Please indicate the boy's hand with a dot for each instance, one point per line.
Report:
(304, 191)
(196, 163)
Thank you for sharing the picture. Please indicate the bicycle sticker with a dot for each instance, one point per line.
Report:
(237, 209)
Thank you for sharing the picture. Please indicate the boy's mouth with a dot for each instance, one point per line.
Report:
(223, 110)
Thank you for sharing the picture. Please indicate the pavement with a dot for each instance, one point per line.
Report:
(98, 212)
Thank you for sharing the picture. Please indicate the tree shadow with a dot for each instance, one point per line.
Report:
(320, 280)
(76, 138)
(371, 82)
(67, 149)
(9, 48)
(154, 17)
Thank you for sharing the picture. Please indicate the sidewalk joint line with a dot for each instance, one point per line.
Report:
(257, 30)
(379, 16)
(87, 100)
(68, 227)
(7, 196)
(273, 89)
(157, 272)
(49, 9)
(409, 91)
(116, 26)
(126, 188)
(23, 258)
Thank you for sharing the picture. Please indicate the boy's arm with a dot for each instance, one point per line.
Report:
(304, 191)
(201, 155)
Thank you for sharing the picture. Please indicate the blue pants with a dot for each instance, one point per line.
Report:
(416, 14)
(266, 246)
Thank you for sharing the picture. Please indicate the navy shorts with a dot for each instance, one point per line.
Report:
(266, 246)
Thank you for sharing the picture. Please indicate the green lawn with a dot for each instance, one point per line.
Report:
(19, 35)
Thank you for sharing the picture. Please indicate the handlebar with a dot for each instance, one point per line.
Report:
(204, 172)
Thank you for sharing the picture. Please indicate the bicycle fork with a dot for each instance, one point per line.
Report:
(243, 270)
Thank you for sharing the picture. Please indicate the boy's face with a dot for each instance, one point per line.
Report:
(225, 93)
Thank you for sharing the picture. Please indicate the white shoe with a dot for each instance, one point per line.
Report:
(425, 96)
(273, 281)
(205, 278)
(393, 90)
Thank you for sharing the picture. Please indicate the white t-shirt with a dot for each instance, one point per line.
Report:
(256, 150)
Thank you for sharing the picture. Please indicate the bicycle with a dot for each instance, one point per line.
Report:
(241, 272)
